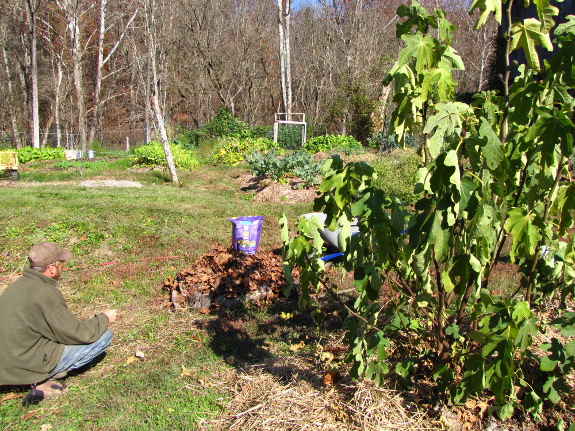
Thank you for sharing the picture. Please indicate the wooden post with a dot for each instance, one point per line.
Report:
(127, 144)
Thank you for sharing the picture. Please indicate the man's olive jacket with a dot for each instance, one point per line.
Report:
(35, 325)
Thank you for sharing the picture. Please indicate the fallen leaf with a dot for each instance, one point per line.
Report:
(30, 415)
(326, 357)
(185, 372)
(11, 396)
(139, 354)
(46, 427)
(331, 377)
(296, 347)
(204, 310)
(131, 360)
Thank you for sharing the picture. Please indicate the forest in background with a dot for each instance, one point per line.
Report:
(97, 63)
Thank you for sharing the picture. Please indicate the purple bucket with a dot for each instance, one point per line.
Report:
(246, 233)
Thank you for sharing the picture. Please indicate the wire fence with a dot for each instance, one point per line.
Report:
(117, 140)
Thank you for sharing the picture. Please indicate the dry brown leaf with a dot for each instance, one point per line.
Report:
(11, 396)
(30, 415)
(296, 347)
(331, 378)
(204, 310)
(185, 372)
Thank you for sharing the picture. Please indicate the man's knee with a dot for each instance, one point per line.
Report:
(106, 339)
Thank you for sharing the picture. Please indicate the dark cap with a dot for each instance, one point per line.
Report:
(45, 253)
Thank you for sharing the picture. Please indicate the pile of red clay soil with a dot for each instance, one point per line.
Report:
(226, 277)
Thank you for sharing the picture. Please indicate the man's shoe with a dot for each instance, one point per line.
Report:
(48, 389)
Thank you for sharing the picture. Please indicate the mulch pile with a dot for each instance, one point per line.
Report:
(225, 277)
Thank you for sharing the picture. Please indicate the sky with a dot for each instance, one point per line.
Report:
(296, 4)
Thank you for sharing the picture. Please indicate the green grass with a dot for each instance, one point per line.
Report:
(126, 242)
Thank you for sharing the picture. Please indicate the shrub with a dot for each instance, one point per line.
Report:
(330, 143)
(232, 151)
(29, 154)
(396, 173)
(224, 124)
(188, 139)
(152, 154)
(298, 164)
(384, 142)
(260, 132)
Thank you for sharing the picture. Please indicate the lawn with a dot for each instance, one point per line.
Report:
(252, 367)
(164, 370)
(255, 367)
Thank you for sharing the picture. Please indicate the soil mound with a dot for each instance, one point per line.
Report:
(226, 277)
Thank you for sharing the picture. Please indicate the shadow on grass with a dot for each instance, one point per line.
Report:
(252, 336)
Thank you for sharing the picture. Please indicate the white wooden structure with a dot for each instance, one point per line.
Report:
(295, 119)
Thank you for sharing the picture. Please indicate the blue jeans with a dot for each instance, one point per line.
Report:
(76, 356)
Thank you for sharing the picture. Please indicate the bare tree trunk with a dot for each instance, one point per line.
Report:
(284, 11)
(15, 133)
(152, 42)
(31, 9)
(55, 115)
(74, 29)
(101, 62)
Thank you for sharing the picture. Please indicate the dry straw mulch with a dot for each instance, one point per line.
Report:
(283, 394)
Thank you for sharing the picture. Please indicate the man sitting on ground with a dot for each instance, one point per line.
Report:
(40, 339)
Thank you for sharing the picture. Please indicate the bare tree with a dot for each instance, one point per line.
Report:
(31, 12)
(8, 96)
(152, 42)
(102, 60)
(284, 14)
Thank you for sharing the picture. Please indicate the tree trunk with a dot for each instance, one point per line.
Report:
(152, 45)
(55, 115)
(15, 134)
(31, 9)
(284, 11)
(74, 29)
(101, 62)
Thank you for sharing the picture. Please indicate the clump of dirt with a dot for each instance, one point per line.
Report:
(225, 277)
(266, 190)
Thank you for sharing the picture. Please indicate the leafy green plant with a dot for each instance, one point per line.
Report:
(260, 131)
(153, 155)
(397, 175)
(330, 143)
(492, 175)
(188, 139)
(298, 164)
(289, 136)
(29, 154)
(224, 124)
(384, 142)
(232, 151)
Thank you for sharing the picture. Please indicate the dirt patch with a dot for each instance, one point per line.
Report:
(266, 190)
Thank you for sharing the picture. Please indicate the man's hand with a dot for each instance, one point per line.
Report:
(111, 315)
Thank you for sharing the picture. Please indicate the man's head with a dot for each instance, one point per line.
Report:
(48, 258)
